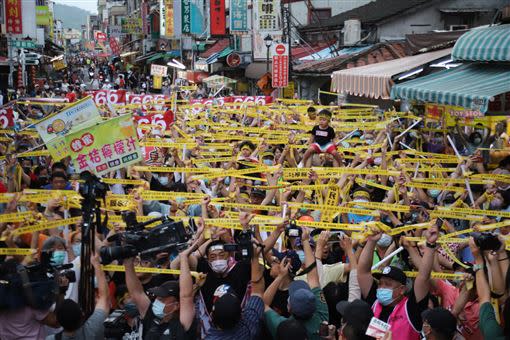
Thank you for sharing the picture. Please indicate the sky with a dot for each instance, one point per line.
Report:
(88, 5)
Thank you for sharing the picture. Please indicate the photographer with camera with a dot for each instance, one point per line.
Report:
(70, 315)
(171, 315)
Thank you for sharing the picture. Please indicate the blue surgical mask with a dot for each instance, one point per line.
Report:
(384, 296)
(227, 181)
(301, 255)
(76, 249)
(163, 181)
(131, 309)
(268, 162)
(58, 257)
(434, 193)
(158, 308)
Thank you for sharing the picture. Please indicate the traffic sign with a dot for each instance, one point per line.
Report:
(23, 43)
(280, 69)
(280, 49)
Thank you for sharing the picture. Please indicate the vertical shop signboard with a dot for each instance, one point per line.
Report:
(13, 17)
(238, 16)
(218, 21)
(186, 16)
(280, 71)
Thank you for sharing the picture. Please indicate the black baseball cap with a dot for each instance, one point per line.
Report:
(357, 313)
(227, 311)
(393, 273)
(169, 288)
(441, 321)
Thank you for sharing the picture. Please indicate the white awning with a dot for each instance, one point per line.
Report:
(375, 80)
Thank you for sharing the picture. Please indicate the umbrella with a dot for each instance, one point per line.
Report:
(218, 81)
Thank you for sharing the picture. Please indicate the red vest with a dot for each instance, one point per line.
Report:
(401, 326)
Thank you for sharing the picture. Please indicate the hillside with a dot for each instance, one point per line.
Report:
(72, 17)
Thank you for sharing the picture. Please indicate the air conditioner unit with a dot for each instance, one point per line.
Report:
(352, 32)
(458, 27)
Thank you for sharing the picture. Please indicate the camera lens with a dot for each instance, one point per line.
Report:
(109, 254)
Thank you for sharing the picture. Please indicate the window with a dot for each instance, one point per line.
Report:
(316, 15)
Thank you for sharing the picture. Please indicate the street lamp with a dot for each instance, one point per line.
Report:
(268, 40)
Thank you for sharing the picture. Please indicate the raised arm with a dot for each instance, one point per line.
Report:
(135, 288)
(103, 301)
(422, 282)
(365, 278)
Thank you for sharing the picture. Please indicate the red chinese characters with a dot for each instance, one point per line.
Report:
(13, 17)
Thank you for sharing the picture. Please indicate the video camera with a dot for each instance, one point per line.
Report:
(136, 240)
(293, 230)
(35, 285)
(243, 246)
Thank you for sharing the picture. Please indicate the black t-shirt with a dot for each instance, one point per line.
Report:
(414, 308)
(323, 137)
(238, 278)
(172, 330)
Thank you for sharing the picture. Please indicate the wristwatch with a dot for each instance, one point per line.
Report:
(431, 245)
(477, 267)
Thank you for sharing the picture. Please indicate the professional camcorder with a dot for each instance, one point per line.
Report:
(137, 240)
(243, 246)
(35, 285)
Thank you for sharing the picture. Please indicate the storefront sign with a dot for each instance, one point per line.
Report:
(131, 25)
(145, 22)
(233, 60)
(218, 20)
(114, 31)
(99, 36)
(268, 13)
(186, 16)
(169, 18)
(13, 16)
(280, 70)
(59, 65)
(42, 16)
(114, 46)
(238, 15)
(159, 70)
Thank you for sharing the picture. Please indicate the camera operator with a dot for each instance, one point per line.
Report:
(24, 322)
(171, 315)
(70, 315)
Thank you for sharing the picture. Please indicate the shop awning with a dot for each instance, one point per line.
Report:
(223, 53)
(471, 86)
(164, 55)
(484, 44)
(375, 81)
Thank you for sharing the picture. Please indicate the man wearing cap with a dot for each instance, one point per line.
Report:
(356, 316)
(306, 301)
(391, 304)
(171, 315)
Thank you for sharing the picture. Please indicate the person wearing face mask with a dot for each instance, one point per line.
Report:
(384, 247)
(391, 304)
(221, 269)
(70, 316)
(171, 315)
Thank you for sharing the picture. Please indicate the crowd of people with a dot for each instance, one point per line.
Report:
(352, 224)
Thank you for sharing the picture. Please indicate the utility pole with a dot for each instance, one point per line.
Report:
(11, 61)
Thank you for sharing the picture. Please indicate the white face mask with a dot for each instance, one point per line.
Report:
(385, 241)
(219, 266)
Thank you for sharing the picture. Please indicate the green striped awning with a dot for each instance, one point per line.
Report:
(471, 86)
(484, 44)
